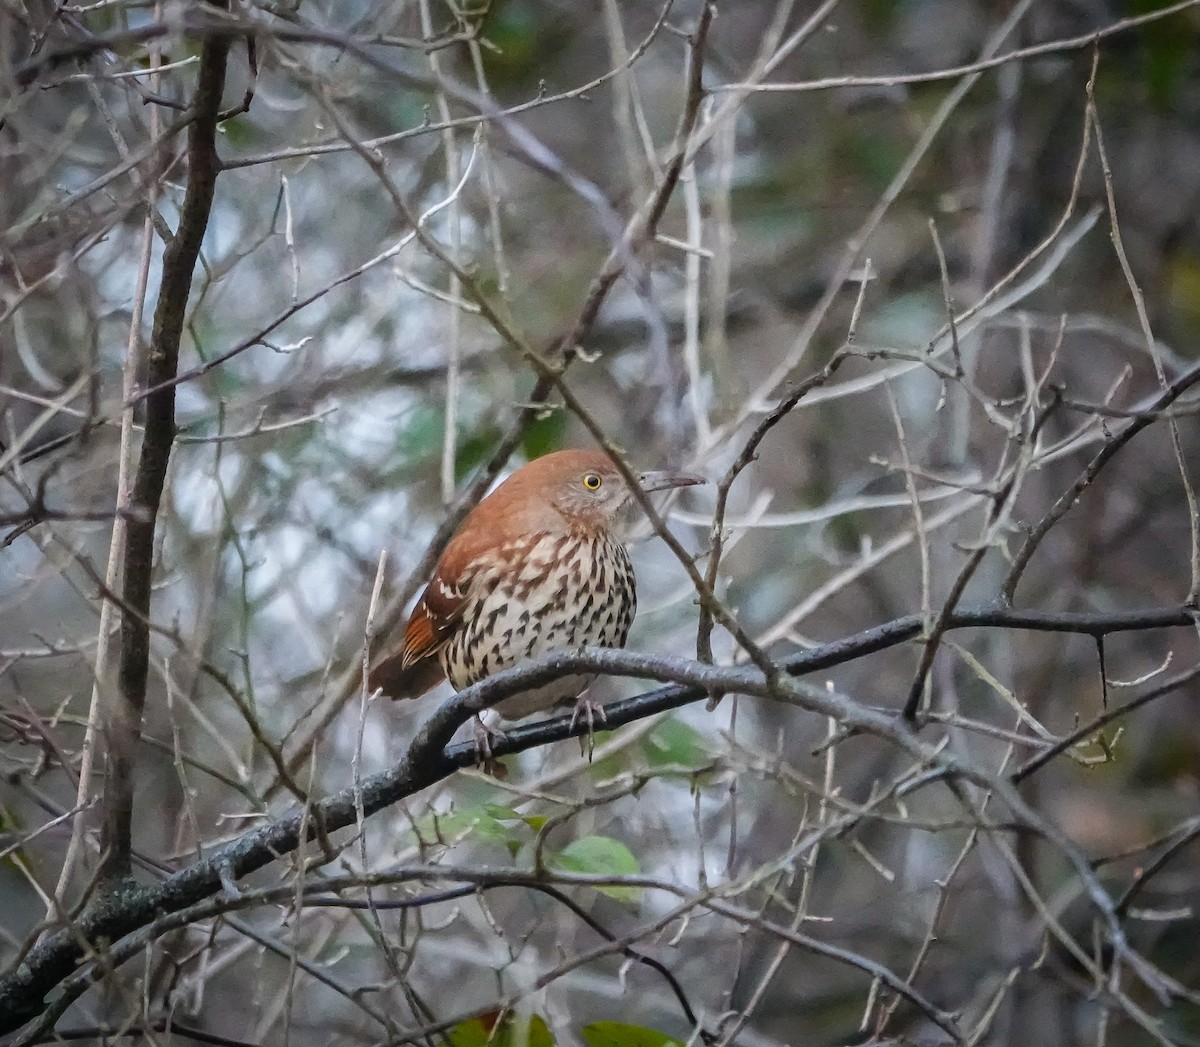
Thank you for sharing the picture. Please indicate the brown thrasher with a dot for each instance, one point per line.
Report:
(538, 566)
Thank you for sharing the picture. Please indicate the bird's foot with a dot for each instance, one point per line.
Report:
(485, 738)
(591, 712)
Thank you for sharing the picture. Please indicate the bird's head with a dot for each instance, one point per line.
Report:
(586, 489)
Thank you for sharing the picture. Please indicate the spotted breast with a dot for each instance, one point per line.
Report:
(551, 592)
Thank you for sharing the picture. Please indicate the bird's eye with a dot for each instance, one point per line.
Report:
(592, 482)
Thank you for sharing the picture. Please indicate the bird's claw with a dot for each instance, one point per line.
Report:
(592, 712)
(485, 738)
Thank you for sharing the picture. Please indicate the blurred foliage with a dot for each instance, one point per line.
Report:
(1167, 54)
(521, 36)
(618, 1034)
(509, 1031)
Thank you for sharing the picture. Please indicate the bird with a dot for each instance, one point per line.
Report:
(539, 565)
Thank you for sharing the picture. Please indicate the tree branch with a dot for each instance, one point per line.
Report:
(430, 759)
(123, 717)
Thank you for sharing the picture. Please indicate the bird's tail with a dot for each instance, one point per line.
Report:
(400, 680)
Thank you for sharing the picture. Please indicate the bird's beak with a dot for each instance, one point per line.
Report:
(666, 481)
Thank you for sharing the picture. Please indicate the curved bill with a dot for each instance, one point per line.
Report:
(666, 480)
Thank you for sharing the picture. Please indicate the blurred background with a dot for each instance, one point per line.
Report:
(342, 387)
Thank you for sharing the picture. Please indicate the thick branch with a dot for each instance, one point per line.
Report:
(430, 759)
(123, 720)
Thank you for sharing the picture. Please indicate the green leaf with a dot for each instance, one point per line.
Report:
(1163, 58)
(673, 743)
(618, 1034)
(601, 856)
(240, 132)
(511, 1032)
(474, 447)
(522, 36)
(544, 434)
(487, 824)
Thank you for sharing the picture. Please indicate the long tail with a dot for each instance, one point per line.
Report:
(398, 680)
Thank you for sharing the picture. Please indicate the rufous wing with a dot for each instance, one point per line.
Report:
(415, 668)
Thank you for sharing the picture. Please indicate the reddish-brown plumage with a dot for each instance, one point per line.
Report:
(538, 566)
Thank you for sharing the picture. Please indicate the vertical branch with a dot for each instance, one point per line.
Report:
(715, 293)
(692, 307)
(624, 100)
(453, 349)
(491, 177)
(123, 718)
(117, 540)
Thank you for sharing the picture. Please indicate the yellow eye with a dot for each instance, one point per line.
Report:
(592, 482)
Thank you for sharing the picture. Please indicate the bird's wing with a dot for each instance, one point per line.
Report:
(414, 669)
(436, 614)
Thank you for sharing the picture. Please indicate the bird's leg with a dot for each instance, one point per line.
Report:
(592, 712)
(485, 738)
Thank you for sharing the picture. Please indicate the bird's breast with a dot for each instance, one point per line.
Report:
(552, 593)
